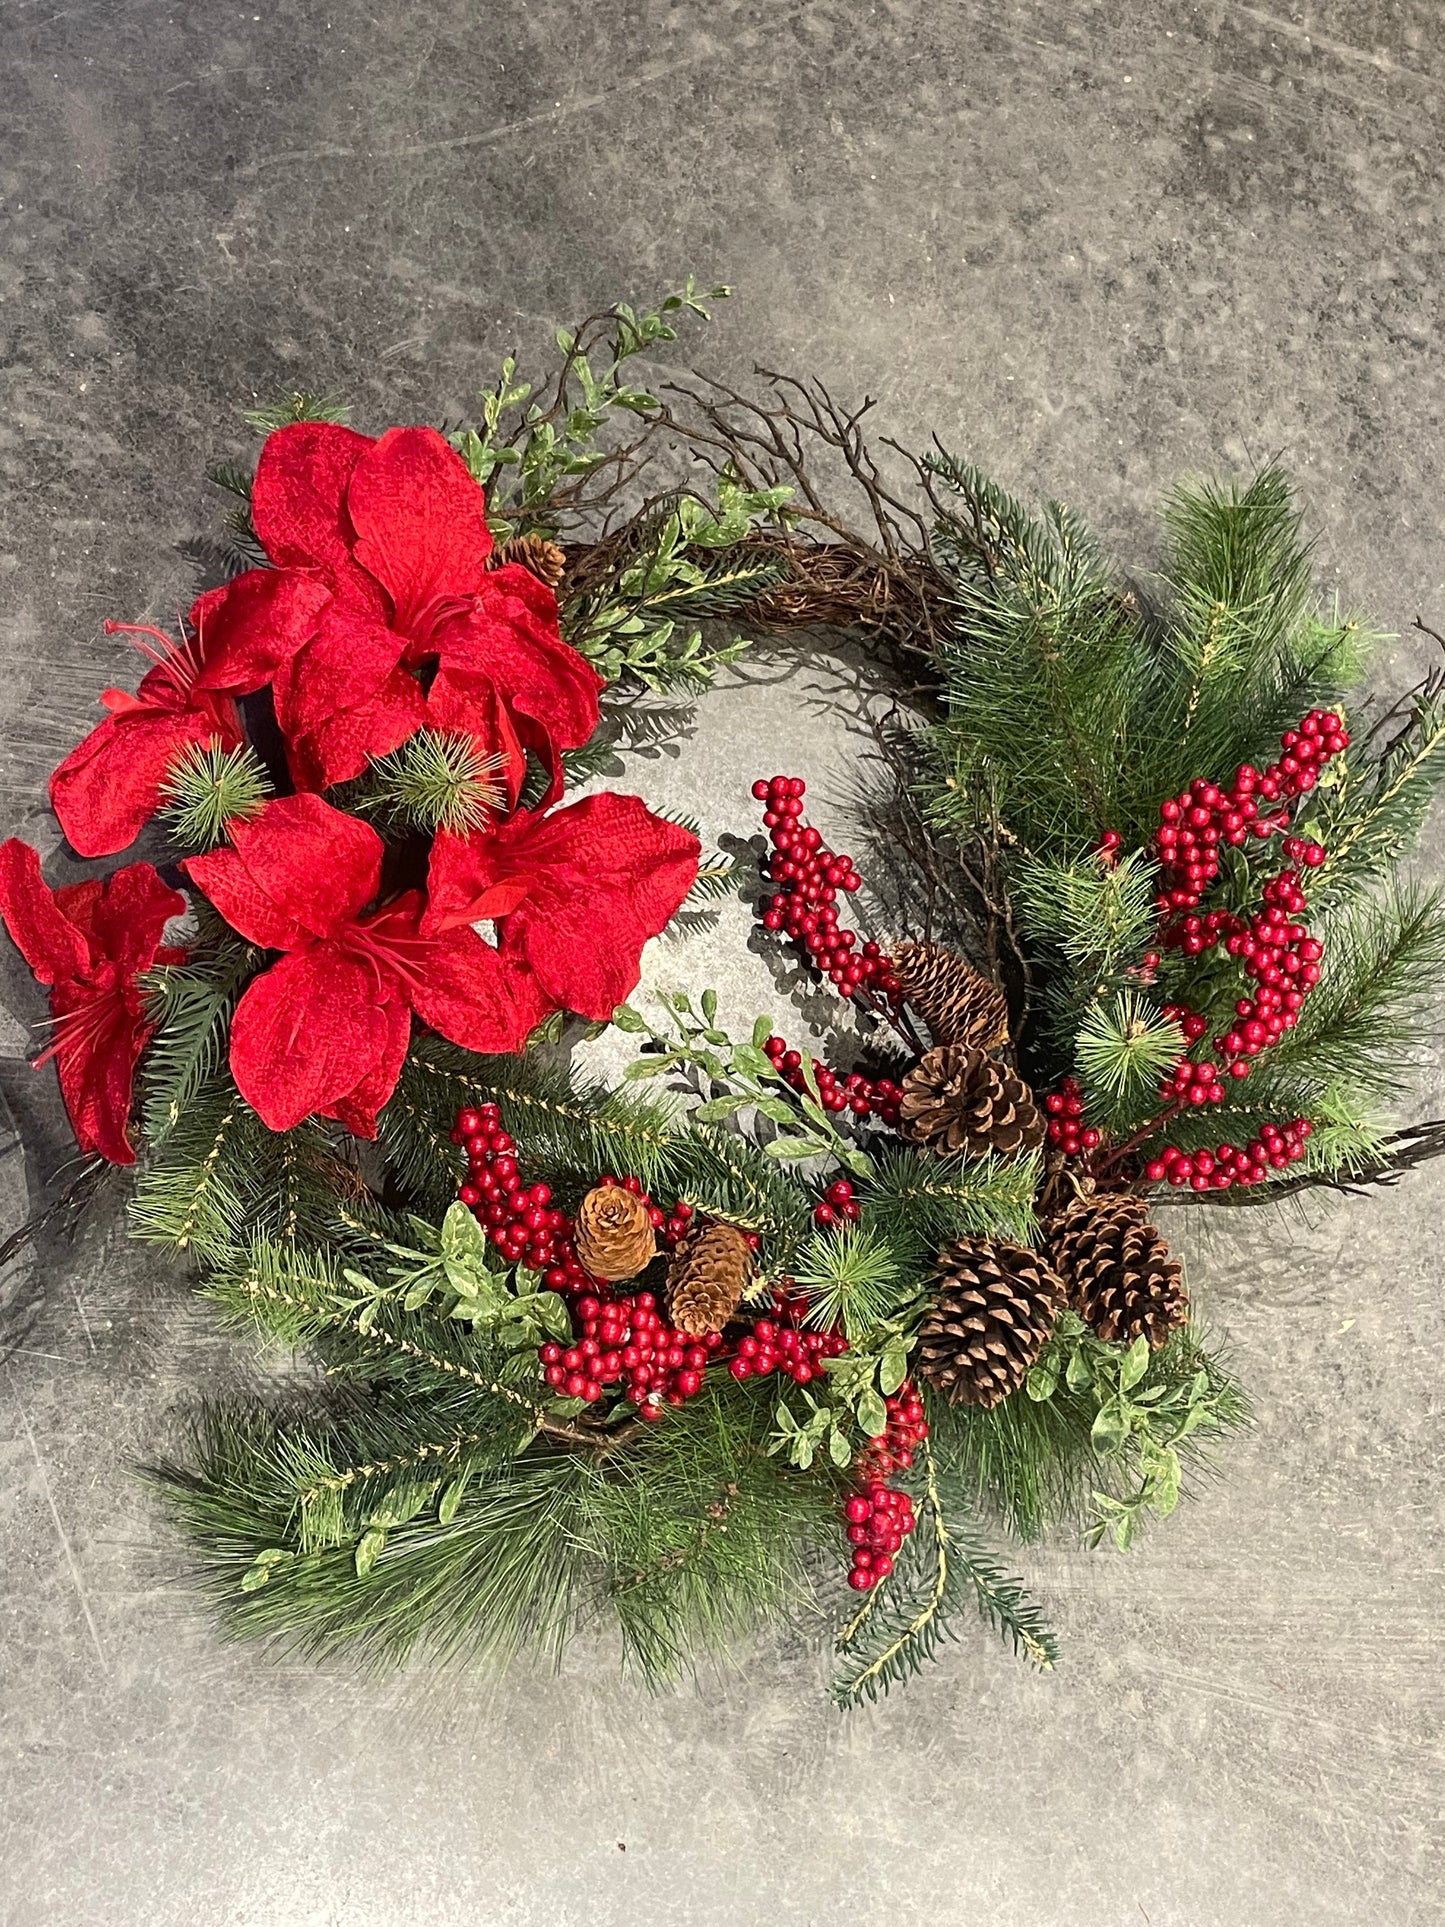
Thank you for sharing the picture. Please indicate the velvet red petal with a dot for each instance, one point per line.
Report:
(298, 502)
(98, 1040)
(109, 787)
(477, 998)
(421, 523)
(123, 916)
(45, 937)
(609, 875)
(470, 704)
(307, 1033)
(511, 637)
(299, 870)
(342, 699)
(357, 1111)
(252, 625)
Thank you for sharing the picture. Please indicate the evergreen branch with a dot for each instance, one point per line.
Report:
(436, 780)
(209, 786)
(295, 406)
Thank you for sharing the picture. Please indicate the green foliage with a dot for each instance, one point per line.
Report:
(527, 449)
(1111, 1426)
(920, 1202)
(853, 1278)
(436, 780)
(683, 572)
(296, 406)
(1124, 1047)
(207, 788)
(941, 1570)
(1363, 1025)
(1370, 807)
(190, 1006)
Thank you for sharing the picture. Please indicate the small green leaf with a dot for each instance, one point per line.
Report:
(858, 1162)
(368, 1549)
(801, 1146)
(418, 1294)
(1135, 1363)
(872, 1414)
(1041, 1385)
(709, 1007)
(1110, 1428)
(762, 1031)
(1078, 1374)
(451, 1498)
(1164, 1483)
(642, 1067)
(718, 1108)
(751, 1061)
(552, 1311)
(361, 1281)
(892, 1369)
(839, 1450)
(626, 1018)
(263, 1565)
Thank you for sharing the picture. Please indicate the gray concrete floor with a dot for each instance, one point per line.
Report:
(1093, 245)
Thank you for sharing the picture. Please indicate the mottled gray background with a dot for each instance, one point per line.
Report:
(1094, 245)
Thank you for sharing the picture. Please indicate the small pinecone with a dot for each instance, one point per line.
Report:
(958, 1098)
(957, 1002)
(707, 1277)
(995, 1309)
(613, 1234)
(545, 559)
(1118, 1271)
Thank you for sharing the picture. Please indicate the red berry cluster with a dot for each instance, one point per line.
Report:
(879, 1519)
(1283, 959)
(1194, 825)
(1067, 1129)
(837, 1202)
(1276, 1146)
(805, 907)
(893, 1449)
(779, 1344)
(626, 1341)
(863, 1096)
(520, 1219)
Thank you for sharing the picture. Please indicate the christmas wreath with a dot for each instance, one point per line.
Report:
(764, 1328)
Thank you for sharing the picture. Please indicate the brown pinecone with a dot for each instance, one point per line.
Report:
(957, 1002)
(614, 1235)
(707, 1277)
(958, 1098)
(545, 559)
(1118, 1271)
(995, 1309)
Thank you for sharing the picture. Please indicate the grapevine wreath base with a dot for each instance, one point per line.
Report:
(755, 1334)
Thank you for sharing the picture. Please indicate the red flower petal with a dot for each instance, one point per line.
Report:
(342, 699)
(45, 937)
(253, 624)
(298, 502)
(357, 1111)
(471, 705)
(99, 1037)
(308, 1033)
(511, 637)
(299, 870)
(109, 787)
(600, 878)
(421, 524)
(122, 916)
(454, 981)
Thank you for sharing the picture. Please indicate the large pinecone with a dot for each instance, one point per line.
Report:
(544, 559)
(958, 1098)
(707, 1277)
(613, 1234)
(995, 1308)
(1118, 1271)
(957, 1002)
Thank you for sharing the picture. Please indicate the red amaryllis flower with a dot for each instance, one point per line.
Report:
(89, 942)
(109, 787)
(395, 532)
(325, 1029)
(576, 894)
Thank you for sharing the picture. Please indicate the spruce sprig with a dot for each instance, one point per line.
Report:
(209, 787)
(436, 780)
